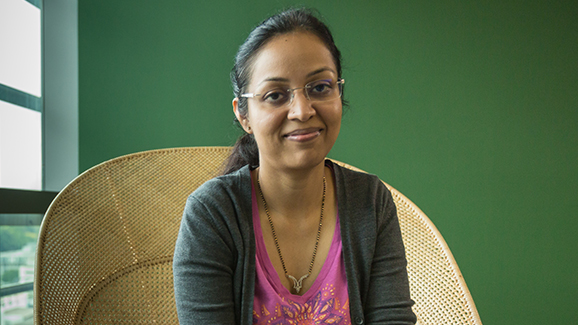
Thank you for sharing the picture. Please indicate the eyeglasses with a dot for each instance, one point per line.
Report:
(316, 91)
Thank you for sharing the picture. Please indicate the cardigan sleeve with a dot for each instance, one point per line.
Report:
(388, 298)
(204, 264)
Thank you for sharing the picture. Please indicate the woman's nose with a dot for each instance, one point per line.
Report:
(300, 106)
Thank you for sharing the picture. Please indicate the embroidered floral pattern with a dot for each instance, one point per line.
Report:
(322, 308)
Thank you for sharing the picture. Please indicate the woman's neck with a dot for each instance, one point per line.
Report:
(292, 194)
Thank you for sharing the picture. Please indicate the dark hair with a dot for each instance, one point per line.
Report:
(245, 150)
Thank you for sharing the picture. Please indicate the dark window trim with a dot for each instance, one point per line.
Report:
(25, 201)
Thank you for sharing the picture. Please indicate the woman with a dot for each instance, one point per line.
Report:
(285, 236)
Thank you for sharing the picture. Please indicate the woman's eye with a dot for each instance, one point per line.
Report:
(275, 96)
(321, 86)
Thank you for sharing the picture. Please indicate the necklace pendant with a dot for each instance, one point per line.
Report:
(297, 284)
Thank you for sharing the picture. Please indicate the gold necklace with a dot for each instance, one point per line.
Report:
(297, 284)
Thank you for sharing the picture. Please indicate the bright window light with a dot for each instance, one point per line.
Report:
(20, 147)
(20, 59)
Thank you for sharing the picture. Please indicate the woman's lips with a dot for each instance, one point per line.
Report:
(303, 135)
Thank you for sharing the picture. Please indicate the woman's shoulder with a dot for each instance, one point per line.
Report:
(353, 179)
(363, 199)
(223, 198)
(360, 188)
(235, 181)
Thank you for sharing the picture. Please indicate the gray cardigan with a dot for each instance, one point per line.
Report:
(214, 261)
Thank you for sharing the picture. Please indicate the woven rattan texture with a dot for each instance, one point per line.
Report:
(106, 244)
(436, 283)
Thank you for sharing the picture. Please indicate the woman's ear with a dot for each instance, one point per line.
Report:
(242, 119)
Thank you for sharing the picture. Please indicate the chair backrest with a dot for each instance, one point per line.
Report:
(106, 243)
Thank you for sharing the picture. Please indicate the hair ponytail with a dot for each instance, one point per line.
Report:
(245, 152)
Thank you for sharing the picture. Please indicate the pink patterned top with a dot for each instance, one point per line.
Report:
(326, 302)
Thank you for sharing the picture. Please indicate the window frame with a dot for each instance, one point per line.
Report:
(59, 123)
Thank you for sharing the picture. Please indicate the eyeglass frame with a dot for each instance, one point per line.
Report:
(340, 82)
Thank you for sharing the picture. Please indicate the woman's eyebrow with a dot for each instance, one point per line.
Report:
(276, 79)
(319, 71)
(279, 79)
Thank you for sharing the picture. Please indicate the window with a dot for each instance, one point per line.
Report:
(21, 119)
(20, 95)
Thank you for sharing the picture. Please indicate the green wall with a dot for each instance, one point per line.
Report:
(468, 108)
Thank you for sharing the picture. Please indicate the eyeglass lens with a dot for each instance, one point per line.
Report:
(320, 90)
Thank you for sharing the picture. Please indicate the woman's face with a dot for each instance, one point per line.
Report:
(298, 134)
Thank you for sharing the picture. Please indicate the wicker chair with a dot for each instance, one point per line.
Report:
(106, 245)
